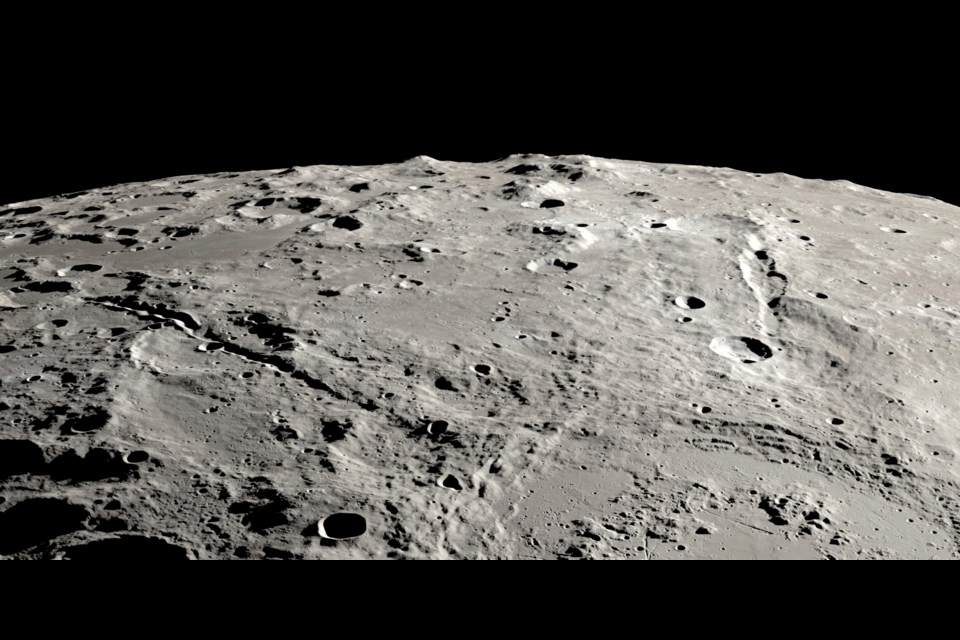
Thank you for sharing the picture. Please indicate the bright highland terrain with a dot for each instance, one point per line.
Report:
(533, 358)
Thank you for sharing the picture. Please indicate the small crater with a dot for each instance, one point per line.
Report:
(438, 427)
(86, 237)
(347, 222)
(566, 266)
(482, 369)
(689, 302)
(444, 384)
(23, 211)
(136, 457)
(284, 433)
(342, 526)
(758, 348)
(180, 232)
(361, 186)
(523, 169)
(48, 287)
(91, 268)
(741, 349)
(549, 231)
(551, 203)
(451, 482)
(334, 430)
(306, 204)
(88, 423)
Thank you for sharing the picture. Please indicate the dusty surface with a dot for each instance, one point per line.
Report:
(531, 358)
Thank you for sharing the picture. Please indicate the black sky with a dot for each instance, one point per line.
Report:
(80, 124)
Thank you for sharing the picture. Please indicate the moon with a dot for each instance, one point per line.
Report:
(533, 358)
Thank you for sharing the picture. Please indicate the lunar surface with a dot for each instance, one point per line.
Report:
(539, 357)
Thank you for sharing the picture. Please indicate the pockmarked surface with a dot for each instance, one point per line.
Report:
(539, 357)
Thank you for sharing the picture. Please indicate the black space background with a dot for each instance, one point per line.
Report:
(128, 111)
